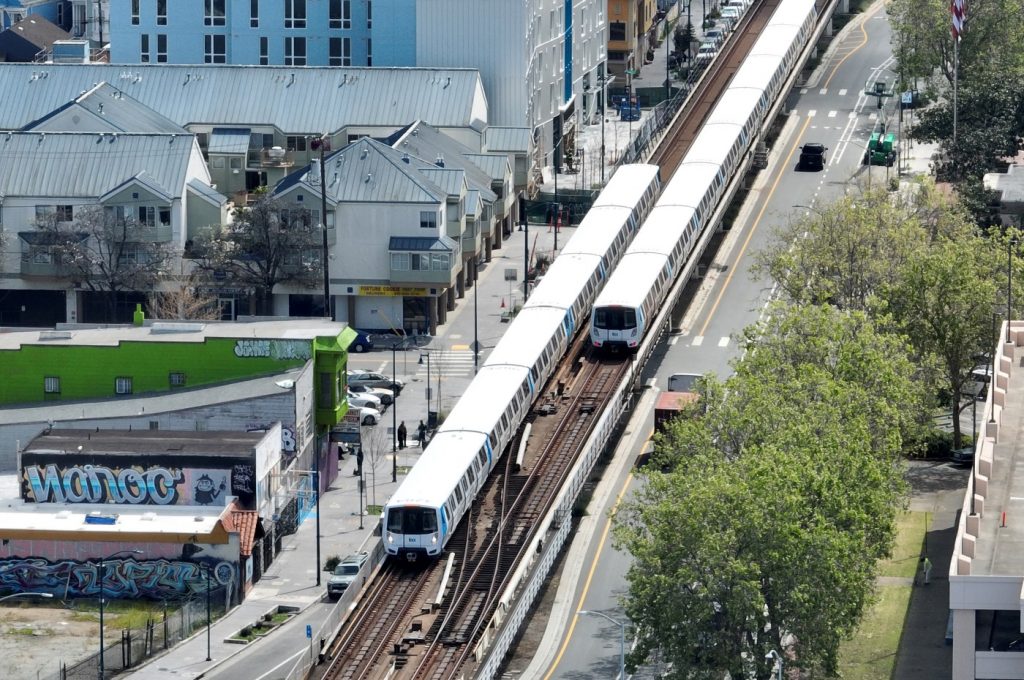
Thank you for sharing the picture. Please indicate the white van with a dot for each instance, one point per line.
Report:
(731, 13)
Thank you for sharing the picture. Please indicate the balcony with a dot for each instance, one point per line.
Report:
(160, 233)
(41, 266)
(430, 262)
(274, 157)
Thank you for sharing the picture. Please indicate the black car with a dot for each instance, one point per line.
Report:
(963, 456)
(812, 157)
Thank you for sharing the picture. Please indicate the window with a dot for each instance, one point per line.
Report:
(264, 52)
(369, 52)
(346, 13)
(123, 385)
(346, 53)
(144, 48)
(294, 51)
(135, 12)
(176, 379)
(254, 13)
(400, 262)
(214, 16)
(617, 30)
(216, 52)
(334, 58)
(369, 13)
(295, 15)
(296, 142)
(428, 220)
(161, 12)
(259, 140)
(335, 21)
(59, 213)
(161, 48)
(51, 385)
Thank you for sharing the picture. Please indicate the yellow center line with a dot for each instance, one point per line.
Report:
(863, 42)
(590, 575)
(753, 228)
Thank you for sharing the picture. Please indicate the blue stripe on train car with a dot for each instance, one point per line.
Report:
(444, 524)
(490, 451)
(529, 381)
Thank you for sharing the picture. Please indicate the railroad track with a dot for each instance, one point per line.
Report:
(673, 147)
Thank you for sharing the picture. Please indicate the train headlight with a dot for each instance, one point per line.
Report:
(391, 537)
(433, 539)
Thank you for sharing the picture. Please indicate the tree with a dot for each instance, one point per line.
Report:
(943, 302)
(186, 299)
(776, 547)
(376, 448)
(105, 251)
(844, 252)
(268, 243)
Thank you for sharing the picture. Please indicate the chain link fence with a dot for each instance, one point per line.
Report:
(134, 646)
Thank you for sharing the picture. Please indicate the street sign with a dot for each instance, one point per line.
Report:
(907, 97)
(511, 274)
(309, 632)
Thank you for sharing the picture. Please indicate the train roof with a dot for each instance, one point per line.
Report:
(791, 12)
(667, 224)
(627, 185)
(598, 230)
(433, 478)
(713, 144)
(734, 107)
(563, 282)
(688, 184)
(488, 395)
(754, 74)
(633, 279)
(530, 333)
(774, 41)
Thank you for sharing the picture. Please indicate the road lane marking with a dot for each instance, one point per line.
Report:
(832, 114)
(783, 167)
(863, 42)
(823, 90)
(842, 92)
(810, 114)
(697, 341)
(724, 342)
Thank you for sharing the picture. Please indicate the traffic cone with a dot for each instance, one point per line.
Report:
(503, 303)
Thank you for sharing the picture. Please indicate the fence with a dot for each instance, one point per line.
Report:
(135, 646)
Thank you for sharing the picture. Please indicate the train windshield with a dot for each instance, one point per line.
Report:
(614, 318)
(412, 521)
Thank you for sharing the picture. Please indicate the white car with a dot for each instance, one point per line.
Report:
(386, 396)
(706, 53)
(367, 415)
(364, 400)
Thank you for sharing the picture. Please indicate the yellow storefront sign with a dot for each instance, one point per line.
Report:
(392, 291)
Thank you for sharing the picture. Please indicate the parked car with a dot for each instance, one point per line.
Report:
(364, 400)
(714, 35)
(371, 379)
(731, 14)
(362, 343)
(963, 455)
(345, 574)
(367, 414)
(706, 53)
(812, 156)
(977, 382)
(386, 396)
(683, 382)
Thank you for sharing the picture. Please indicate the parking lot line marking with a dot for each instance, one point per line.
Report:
(842, 92)
(697, 341)
(832, 114)
(724, 342)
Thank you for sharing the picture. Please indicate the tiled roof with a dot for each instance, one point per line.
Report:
(295, 100)
(244, 523)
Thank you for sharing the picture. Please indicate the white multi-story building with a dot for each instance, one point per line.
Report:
(90, 19)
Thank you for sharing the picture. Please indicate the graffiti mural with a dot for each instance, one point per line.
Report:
(283, 350)
(122, 578)
(136, 485)
(101, 484)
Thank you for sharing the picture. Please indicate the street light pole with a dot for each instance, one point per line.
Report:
(316, 490)
(206, 570)
(476, 294)
(524, 226)
(604, 113)
(773, 655)
(103, 576)
(394, 411)
(622, 638)
(422, 352)
(1009, 284)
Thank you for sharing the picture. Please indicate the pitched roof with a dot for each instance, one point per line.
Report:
(236, 95)
(494, 164)
(207, 192)
(87, 165)
(427, 143)
(244, 522)
(229, 140)
(367, 171)
(452, 180)
(497, 138)
(104, 108)
(38, 31)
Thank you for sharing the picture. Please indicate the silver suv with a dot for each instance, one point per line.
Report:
(371, 379)
(345, 573)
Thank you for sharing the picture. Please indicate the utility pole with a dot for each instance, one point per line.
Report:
(99, 13)
(323, 143)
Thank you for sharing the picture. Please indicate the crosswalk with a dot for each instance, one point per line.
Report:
(450, 363)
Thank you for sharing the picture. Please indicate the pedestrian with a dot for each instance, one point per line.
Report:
(926, 569)
(421, 432)
(402, 433)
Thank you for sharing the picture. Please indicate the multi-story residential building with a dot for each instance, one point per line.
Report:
(54, 11)
(630, 23)
(90, 19)
(64, 176)
(260, 32)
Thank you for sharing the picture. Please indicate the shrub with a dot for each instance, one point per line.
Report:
(331, 563)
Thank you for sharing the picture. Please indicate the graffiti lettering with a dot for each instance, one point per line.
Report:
(99, 484)
(252, 348)
(121, 578)
(284, 350)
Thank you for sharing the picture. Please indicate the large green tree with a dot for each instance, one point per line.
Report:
(776, 546)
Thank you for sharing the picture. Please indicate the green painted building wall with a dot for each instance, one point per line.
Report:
(91, 372)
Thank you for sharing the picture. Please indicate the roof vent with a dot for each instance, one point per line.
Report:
(405, 157)
(101, 108)
(439, 162)
(364, 153)
(369, 176)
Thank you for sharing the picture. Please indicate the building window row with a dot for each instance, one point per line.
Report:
(294, 13)
(214, 13)
(340, 52)
(161, 48)
(421, 262)
(294, 51)
(216, 49)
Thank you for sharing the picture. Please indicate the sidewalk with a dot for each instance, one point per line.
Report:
(291, 578)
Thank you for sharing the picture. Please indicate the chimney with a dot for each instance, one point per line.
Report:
(440, 161)
(313, 176)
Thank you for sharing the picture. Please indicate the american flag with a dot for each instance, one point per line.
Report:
(958, 8)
